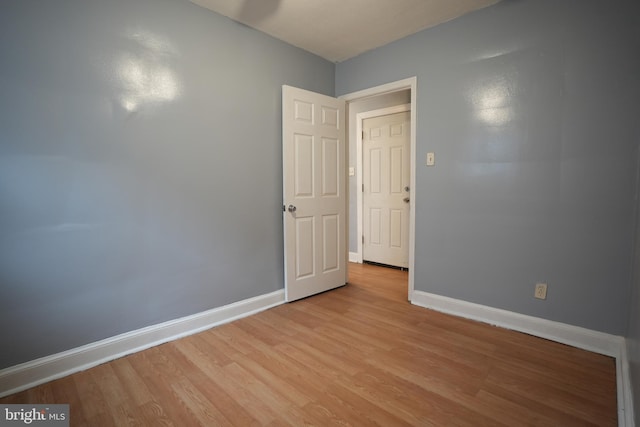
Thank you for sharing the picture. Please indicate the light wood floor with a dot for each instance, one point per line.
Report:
(358, 355)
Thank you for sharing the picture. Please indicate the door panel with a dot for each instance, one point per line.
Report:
(386, 179)
(303, 165)
(375, 180)
(305, 232)
(375, 230)
(396, 170)
(395, 226)
(314, 151)
(330, 162)
(330, 244)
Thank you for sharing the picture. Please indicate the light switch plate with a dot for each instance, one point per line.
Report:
(431, 159)
(352, 171)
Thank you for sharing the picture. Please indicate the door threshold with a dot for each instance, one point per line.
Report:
(379, 264)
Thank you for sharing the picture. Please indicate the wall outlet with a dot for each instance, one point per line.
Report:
(541, 291)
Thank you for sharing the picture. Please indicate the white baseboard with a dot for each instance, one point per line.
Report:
(30, 374)
(353, 257)
(575, 336)
(597, 342)
(26, 375)
(625, 392)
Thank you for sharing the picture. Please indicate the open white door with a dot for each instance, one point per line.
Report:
(313, 168)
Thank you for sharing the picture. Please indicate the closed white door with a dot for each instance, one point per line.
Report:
(386, 192)
(314, 150)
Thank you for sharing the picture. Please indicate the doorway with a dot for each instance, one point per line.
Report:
(383, 218)
(406, 89)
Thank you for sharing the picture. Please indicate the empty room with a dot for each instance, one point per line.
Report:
(288, 212)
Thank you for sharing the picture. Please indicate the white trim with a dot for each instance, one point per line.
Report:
(625, 392)
(586, 339)
(30, 374)
(359, 198)
(411, 84)
(598, 342)
(382, 112)
(353, 257)
(381, 90)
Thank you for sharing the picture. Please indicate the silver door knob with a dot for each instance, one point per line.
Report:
(406, 200)
(291, 208)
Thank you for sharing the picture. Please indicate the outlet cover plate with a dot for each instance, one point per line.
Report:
(541, 291)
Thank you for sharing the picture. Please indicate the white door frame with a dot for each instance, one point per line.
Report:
(411, 84)
(359, 179)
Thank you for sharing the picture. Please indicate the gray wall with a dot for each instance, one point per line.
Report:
(354, 108)
(633, 334)
(531, 108)
(140, 166)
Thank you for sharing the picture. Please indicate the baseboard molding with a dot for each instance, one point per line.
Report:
(30, 374)
(26, 375)
(586, 339)
(353, 257)
(575, 336)
(625, 391)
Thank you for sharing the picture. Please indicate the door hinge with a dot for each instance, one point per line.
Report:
(363, 135)
(363, 188)
(363, 238)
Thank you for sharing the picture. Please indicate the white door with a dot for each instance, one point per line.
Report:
(314, 150)
(386, 192)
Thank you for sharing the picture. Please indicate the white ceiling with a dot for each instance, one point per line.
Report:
(341, 29)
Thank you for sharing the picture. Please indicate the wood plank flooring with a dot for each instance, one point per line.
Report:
(360, 355)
